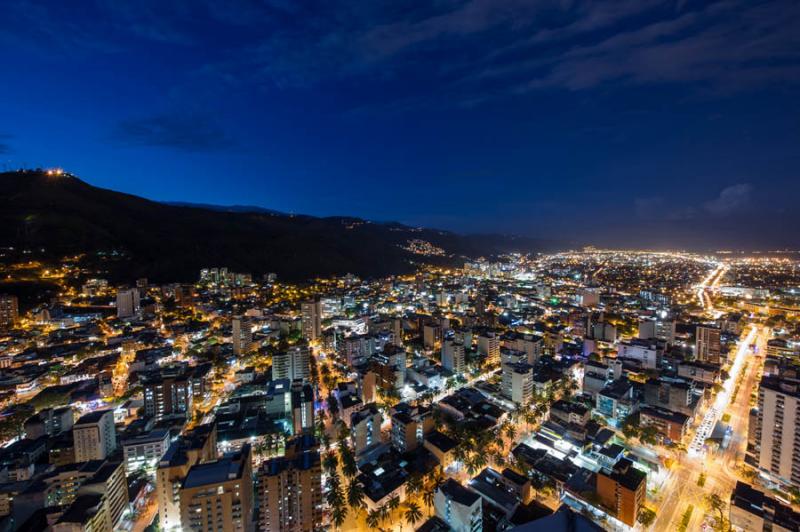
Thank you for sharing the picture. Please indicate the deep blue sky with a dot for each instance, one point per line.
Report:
(632, 122)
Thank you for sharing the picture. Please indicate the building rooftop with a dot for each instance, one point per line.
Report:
(564, 520)
(92, 417)
(441, 441)
(626, 475)
(758, 503)
(490, 487)
(462, 495)
(228, 468)
(82, 509)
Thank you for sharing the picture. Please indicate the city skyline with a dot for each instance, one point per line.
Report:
(646, 124)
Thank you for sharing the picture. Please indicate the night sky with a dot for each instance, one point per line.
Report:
(630, 122)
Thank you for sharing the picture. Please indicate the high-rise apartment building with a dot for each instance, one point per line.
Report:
(127, 302)
(302, 407)
(49, 422)
(9, 311)
(241, 334)
(622, 490)
(294, 363)
(167, 392)
(290, 488)
(517, 383)
(196, 446)
(311, 324)
(530, 344)
(660, 328)
(218, 496)
(94, 436)
(431, 335)
(707, 346)
(489, 346)
(409, 426)
(778, 428)
(453, 356)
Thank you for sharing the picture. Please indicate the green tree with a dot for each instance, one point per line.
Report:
(716, 504)
(647, 517)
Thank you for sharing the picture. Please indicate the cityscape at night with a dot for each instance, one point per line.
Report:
(457, 265)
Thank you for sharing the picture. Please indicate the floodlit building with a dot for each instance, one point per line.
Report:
(196, 446)
(753, 511)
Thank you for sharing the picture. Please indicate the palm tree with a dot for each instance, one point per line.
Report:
(511, 431)
(339, 515)
(373, 518)
(349, 467)
(460, 453)
(479, 461)
(412, 513)
(428, 497)
(499, 460)
(394, 503)
(344, 432)
(716, 504)
(413, 485)
(530, 417)
(355, 495)
(436, 476)
(383, 511)
(471, 464)
(330, 462)
(335, 497)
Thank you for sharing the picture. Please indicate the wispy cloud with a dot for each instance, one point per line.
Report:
(5, 147)
(467, 51)
(730, 200)
(477, 50)
(191, 132)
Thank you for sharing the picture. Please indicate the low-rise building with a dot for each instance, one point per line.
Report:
(672, 426)
(145, 450)
(459, 507)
